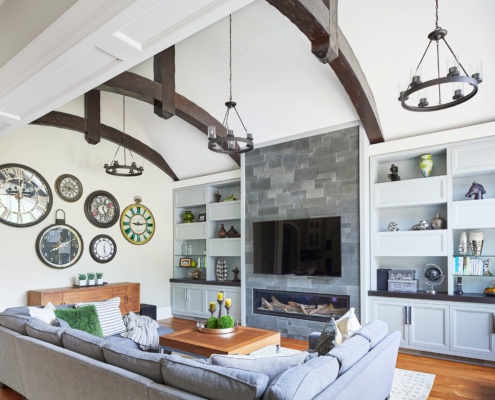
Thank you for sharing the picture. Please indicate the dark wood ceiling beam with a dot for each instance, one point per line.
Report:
(72, 122)
(164, 73)
(314, 19)
(92, 113)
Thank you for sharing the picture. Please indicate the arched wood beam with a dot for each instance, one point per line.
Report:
(314, 19)
(73, 122)
(144, 89)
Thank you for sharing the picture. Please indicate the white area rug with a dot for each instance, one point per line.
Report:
(411, 385)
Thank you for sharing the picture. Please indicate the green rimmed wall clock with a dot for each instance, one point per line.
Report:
(137, 223)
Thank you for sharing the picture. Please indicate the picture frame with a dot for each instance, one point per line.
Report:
(185, 262)
(202, 218)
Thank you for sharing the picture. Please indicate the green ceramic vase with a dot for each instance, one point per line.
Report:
(188, 216)
(426, 164)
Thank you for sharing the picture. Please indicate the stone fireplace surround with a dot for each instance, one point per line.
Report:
(317, 176)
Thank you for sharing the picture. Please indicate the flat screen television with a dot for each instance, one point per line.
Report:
(309, 246)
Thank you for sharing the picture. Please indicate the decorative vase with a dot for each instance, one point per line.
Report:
(91, 282)
(232, 232)
(426, 164)
(99, 281)
(82, 282)
(438, 222)
(463, 244)
(221, 270)
(188, 216)
(222, 232)
(476, 242)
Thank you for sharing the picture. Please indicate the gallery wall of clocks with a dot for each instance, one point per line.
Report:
(26, 199)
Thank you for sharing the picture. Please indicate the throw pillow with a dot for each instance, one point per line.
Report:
(110, 316)
(83, 318)
(45, 314)
(348, 324)
(329, 338)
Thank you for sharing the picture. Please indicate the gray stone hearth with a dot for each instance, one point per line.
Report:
(316, 176)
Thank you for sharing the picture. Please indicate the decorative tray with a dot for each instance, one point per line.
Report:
(86, 286)
(201, 327)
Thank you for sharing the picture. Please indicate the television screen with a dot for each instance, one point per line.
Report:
(310, 246)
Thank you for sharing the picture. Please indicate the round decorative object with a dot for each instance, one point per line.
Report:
(438, 222)
(188, 216)
(222, 233)
(102, 248)
(433, 276)
(102, 209)
(25, 196)
(201, 327)
(68, 187)
(392, 226)
(137, 223)
(426, 164)
(59, 246)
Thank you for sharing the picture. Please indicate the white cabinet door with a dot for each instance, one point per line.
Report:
(224, 211)
(227, 247)
(473, 214)
(196, 300)
(191, 197)
(471, 331)
(411, 243)
(429, 326)
(194, 230)
(394, 313)
(474, 158)
(179, 298)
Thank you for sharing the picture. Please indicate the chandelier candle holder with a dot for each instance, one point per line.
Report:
(454, 81)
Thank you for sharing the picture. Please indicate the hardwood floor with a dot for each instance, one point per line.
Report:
(453, 380)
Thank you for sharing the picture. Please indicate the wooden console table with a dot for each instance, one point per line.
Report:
(128, 292)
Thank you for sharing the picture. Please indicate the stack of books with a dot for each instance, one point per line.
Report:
(468, 266)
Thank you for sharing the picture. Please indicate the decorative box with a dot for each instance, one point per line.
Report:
(402, 274)
(402, 285)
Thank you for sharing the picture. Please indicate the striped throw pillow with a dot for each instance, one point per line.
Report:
(109, 315)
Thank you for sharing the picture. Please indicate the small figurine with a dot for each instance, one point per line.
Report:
(476, 190)
(421, 226)
(394, 176)
(236, 275)
(486, 265)
(392, 227)
(217, 196)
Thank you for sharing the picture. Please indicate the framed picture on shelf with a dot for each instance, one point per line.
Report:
(185, 262)
(201, 217)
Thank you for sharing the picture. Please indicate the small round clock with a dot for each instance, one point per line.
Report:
(68, 187)
(102, 209)
(25, 196)
(59, 246)
(102, 248)
(137, 223)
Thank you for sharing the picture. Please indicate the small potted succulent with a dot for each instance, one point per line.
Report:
(82, 279)
(91, 278)
(99, 278)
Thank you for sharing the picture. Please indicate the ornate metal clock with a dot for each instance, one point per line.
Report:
(102, 248)
(137, 223)
(68, 187)
(102, 209)
(25, 196)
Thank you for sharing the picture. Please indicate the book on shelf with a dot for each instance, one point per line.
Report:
(468, 266)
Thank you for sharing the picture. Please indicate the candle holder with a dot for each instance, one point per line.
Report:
(228, 309)
(212, 311)
(220, 303)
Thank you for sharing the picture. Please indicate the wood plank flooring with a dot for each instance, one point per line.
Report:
(453, 381)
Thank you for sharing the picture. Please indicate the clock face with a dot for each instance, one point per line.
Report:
(68, 187)
(25, 197)
(137, 224)
(102, 248)
(59, 246)
(102, 209)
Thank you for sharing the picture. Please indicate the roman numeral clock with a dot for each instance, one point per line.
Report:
(137, 223)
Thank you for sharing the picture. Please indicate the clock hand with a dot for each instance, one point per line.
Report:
(62, 245)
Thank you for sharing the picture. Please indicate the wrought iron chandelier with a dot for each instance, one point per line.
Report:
(452, 85)
(123, 169)
(229, 144)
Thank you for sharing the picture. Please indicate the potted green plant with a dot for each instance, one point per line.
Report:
(91, 278)
(99, 278)
(81, 279)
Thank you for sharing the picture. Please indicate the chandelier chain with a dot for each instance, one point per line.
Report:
(436, 13)
(230, 55)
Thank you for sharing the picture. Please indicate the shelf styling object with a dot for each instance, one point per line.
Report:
(433, 276)
(236, 275)
(212, 308)
(232, 233)
(91, 278)
(421, 226)
(222, 233)
(489, 291)
(221, 270)
(217, 196)
(463, 244)
(477, 190)
(486, 266)
(426, 164)
(392, 227)
(99, 278)
(196, 274)
(394, 175)
(476, 242)
(82, 280)
(438, 222)
(458, 286)
(202, 326)
(188, 217)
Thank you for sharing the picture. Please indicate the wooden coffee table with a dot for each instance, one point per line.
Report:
(244, 341)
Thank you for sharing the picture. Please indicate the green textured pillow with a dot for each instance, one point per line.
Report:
(82, 318)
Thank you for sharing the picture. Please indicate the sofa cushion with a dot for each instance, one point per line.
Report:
(374, 332)
(84, 343)
(329, 338)
(304, 382)
(350, 352)
(24, 310)
(272, 366)
(14, 321)
(140, 362)
(45, 314)
(211, 381)
(109, 315)
(84, 318)
(40, 330)
(348, 324)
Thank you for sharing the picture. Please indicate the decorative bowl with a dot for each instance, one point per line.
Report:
(201, 327)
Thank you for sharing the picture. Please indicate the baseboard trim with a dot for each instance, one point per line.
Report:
(449, 357)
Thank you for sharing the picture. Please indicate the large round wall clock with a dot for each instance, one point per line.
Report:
(102, 248)
(59, 245)
(68, 187)
(25, 197)
(137, 223)
(102, 209)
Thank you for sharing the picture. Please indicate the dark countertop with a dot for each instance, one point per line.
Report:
(205, 282)
(421, 294)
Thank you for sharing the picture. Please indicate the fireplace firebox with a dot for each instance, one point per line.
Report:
(302, 305)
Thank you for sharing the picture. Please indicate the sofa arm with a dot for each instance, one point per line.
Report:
(313, 337)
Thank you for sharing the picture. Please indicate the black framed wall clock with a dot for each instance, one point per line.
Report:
(59, 245)
(102, 248)
(25, 196)
(101, 209)
(137, 223)
(68, 187)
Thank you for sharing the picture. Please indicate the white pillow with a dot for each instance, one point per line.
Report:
(348, 324)
(109, 315)
(46, 314)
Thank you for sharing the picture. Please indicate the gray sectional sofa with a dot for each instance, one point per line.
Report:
(43, 362)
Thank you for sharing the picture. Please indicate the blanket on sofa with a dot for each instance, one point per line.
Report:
(142, 330)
